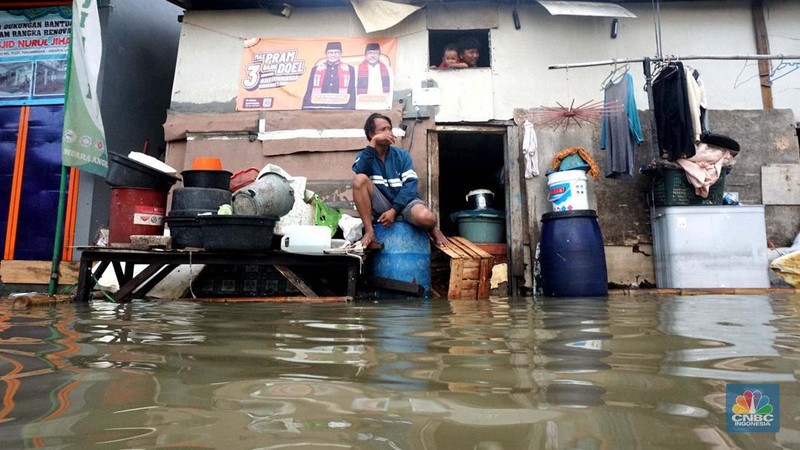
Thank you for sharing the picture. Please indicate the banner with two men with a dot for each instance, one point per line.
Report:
(317, 74)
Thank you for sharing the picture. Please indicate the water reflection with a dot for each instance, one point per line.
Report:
(736, 332)
(559, 373)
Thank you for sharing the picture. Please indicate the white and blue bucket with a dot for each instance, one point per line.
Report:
(567, 190)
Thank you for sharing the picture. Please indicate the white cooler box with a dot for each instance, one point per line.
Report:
(710, 246)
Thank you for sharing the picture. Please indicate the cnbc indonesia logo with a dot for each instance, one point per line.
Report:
(750, 409)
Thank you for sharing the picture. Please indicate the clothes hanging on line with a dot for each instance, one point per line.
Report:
(673, 115)
(621, 130)
(530, 149)
(693, 97)
(703, 101)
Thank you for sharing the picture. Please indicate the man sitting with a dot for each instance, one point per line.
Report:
(385, 184)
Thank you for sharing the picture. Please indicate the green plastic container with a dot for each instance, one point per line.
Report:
(481, 227)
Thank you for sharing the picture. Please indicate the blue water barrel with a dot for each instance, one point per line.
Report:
(571, 255)
(406, 255)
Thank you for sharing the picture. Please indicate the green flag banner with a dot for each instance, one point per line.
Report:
(84, 143)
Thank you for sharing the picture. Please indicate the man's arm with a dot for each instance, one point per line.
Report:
(409, 180)
(361, 164)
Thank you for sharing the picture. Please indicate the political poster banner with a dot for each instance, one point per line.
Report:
(83, 142)
(317, 74)
(33, 55)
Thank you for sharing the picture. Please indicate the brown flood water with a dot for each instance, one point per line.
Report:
(618, 373)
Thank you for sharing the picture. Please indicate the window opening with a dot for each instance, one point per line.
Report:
(438, 39)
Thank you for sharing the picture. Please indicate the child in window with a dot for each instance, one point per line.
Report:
(450, 58)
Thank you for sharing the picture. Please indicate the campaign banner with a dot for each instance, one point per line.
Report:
(83, 142)
(317, 74)
(33, 55)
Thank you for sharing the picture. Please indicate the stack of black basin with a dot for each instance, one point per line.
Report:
(203, 191)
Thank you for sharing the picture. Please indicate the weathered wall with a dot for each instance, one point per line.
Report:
(211, 47)
(766, 137)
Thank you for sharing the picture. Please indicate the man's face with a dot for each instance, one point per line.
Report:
(470, 56)
(372, 56)
(333, 55)
(382, 126)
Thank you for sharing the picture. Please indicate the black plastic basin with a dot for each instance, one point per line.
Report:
(218, 179)
(200, 198)
(125, 172)
(237, 232)
(185, 232)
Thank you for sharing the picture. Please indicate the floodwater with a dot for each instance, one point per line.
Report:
(621, 373)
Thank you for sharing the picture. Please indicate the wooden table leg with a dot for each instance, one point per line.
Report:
(86, 279)
(352, 278)
(123, 295)
(152, 282)
(84, 282)
(119, 272)
(296, 281)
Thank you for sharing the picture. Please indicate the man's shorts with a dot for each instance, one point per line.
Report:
(381, 204)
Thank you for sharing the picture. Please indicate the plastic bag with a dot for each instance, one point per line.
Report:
(325, 215)
(352, 228)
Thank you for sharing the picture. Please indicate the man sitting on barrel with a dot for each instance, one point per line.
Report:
(385, 184)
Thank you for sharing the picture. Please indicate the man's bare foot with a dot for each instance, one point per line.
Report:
(368, 238)
(438, 238)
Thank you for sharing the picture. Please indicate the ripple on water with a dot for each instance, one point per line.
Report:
(633, 372)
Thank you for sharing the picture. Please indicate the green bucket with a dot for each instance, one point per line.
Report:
(481, 226)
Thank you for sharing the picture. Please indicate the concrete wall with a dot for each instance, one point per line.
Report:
(211, 47)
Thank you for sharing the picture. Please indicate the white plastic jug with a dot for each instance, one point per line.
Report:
(308, 239)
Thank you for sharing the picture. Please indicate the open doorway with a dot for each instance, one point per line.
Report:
(464, 159)
(468, 161)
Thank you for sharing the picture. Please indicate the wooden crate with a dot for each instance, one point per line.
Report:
(498, 251)
(462, 270)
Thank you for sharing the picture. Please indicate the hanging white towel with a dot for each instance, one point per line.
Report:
(530, 149)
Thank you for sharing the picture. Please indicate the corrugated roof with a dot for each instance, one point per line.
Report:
(272, 4)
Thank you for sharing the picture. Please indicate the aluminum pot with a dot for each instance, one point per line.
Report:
(270, 195)
(480, 199)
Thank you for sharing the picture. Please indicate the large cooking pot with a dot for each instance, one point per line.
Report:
(270, 195)
(480, 199)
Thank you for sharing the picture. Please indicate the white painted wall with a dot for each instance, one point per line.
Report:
(211, 41)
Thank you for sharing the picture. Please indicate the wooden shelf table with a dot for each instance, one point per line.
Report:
(161, 262)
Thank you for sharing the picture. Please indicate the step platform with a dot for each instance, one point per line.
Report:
(462, 270)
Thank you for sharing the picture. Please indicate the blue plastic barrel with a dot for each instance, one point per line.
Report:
(571, 255)
(406, 255)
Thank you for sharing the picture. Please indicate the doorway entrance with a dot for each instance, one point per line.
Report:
(463, 159)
